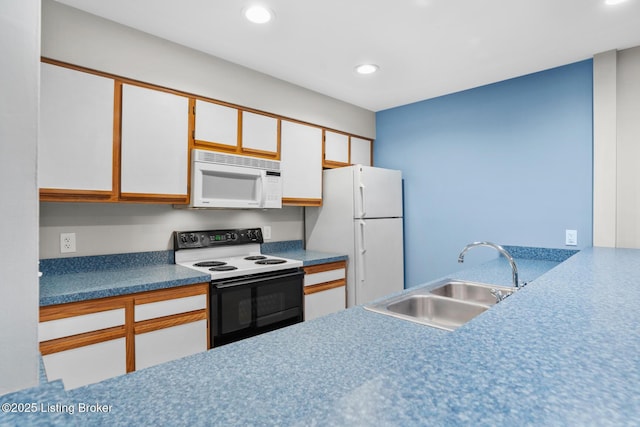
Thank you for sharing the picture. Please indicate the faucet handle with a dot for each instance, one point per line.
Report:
(497, 294)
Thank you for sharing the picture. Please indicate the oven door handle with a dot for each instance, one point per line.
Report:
(251, 280)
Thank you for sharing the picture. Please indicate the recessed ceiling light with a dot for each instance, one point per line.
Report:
(613, 2)
(367, 68)
(258, 14)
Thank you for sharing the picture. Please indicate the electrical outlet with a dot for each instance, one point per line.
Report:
(266, 232)
(67, 242)
(571, 237)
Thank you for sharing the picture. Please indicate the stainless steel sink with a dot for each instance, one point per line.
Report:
(446, 305)
(444, 313)
(470, 291)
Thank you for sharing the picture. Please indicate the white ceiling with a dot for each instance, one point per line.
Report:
(425, 48)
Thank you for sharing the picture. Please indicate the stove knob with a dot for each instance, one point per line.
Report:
(183, 238)
(193, 237)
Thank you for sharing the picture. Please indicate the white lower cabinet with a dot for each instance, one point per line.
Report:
(89, 341)
(324, 289)
(322, 303)
(88, 364)
(169, 328)
(163, 345)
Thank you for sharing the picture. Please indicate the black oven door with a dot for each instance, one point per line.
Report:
(245, 306)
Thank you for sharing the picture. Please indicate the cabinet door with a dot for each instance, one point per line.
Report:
(216, 126)
(84, 342)
(76, 133)
(88, 364)
(154, 145)
(170, 324)
(172, 343)
(259, 134)
(336, 149)
(301, 163)
(324, 289)
(326, 302)
(361, 151)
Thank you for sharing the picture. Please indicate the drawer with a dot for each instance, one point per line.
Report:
(68, 326)
(169, 307)
(324, 276)
(325, 273)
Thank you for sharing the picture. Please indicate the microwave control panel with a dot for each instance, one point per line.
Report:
(213, 238)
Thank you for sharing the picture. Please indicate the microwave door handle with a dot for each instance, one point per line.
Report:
(262, 194)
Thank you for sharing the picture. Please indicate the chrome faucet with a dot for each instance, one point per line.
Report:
(514, 268)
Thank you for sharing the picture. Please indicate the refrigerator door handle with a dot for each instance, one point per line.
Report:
(362, 201)
(363, 250)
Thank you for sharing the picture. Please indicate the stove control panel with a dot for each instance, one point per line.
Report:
(212, 238)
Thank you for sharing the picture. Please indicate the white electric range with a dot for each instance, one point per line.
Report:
(251, 293)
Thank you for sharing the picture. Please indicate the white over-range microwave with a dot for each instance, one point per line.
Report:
(228, 181)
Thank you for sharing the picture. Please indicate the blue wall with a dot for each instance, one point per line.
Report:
(509, 162)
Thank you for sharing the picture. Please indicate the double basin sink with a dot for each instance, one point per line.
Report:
(448, 304)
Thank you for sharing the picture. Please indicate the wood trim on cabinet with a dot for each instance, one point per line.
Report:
(321, 287)
(333, 164)
(73, 309)
(214, 146)
(176, 199)
(158, 323)
(129, 314)
(293, 201)
(191, 129)
(171, 293)
(371, 148)
(318, 268)
(279, 139)
(63, 195)
(239, 132)
(260, 153)
(81, 340)
(117, 138)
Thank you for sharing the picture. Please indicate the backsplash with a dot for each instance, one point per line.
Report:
(540, 254)
(111, 228)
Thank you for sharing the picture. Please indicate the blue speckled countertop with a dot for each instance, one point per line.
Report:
(293, 249)
(81, 278)
(565, 350)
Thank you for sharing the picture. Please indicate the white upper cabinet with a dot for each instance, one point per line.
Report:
(216, 124)
(360, 151)
(154, 143)
(301, 163)
(75, 150)
(259, 133)
(336, 148)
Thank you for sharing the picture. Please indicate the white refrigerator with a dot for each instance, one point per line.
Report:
(361, 216)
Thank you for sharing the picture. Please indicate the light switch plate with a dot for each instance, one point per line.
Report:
(571, 237)
(266, 232)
